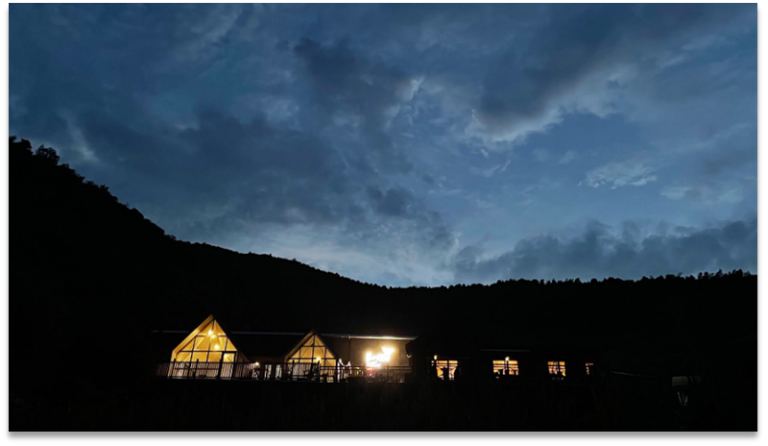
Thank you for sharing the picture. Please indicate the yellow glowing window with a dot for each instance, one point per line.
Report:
(313, 351)
(590, 366)
(446, 367)
(505, 367)
(208, 343)
(556, 368)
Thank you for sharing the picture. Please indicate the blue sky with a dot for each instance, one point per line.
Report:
(412, 144)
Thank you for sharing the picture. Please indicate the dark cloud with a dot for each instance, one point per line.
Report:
(350, 84)
(520, 92)
(401, 203)
(220, 161)
(522, 83)
(741, 154)
(394, 202)
(600, 253)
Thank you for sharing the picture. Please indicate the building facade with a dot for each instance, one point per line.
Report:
(212, 351)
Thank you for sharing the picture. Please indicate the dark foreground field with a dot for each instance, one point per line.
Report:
(622, 404)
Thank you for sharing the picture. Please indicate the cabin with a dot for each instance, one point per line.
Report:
(216, 349)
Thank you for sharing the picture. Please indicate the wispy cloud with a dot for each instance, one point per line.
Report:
(568, 157)
(491, 171)
(704, 194)
(632, 172)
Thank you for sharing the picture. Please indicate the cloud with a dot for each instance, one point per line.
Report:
(371, 92)
(491, 171)
(570, 62)
(540, 154)
(704, 195)
(402, 204)
(568, 157)
(628, 253)
(633, 172)
(521, 92)
(397, 202)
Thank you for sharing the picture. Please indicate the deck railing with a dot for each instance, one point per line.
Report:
(203, 370)
(282, 372)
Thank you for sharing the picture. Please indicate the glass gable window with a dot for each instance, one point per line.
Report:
(313, 351)
(556, 368)
(505, 367)
(210, 344)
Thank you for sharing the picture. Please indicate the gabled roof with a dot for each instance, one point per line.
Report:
(304, 341)
(195, 332)
(254, 344)
(200, 327)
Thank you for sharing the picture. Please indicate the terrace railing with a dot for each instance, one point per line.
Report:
(282, 372)
(203, 370)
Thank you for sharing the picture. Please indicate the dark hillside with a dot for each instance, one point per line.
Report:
(88, 270)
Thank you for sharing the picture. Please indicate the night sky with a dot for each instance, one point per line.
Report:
(412, 144)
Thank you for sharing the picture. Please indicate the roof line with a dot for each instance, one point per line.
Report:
(502, 350)
(388, 338)
(284, 333)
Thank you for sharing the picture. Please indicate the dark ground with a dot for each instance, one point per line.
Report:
(621, 404)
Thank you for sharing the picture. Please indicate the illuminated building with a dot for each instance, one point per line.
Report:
(216, 350)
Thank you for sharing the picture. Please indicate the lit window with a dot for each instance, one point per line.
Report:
(556, 368)
(505, 367)
(590, 366)
(206, 352)
(446, 367)
(211, 344)
(278, 371)
(313, 352)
